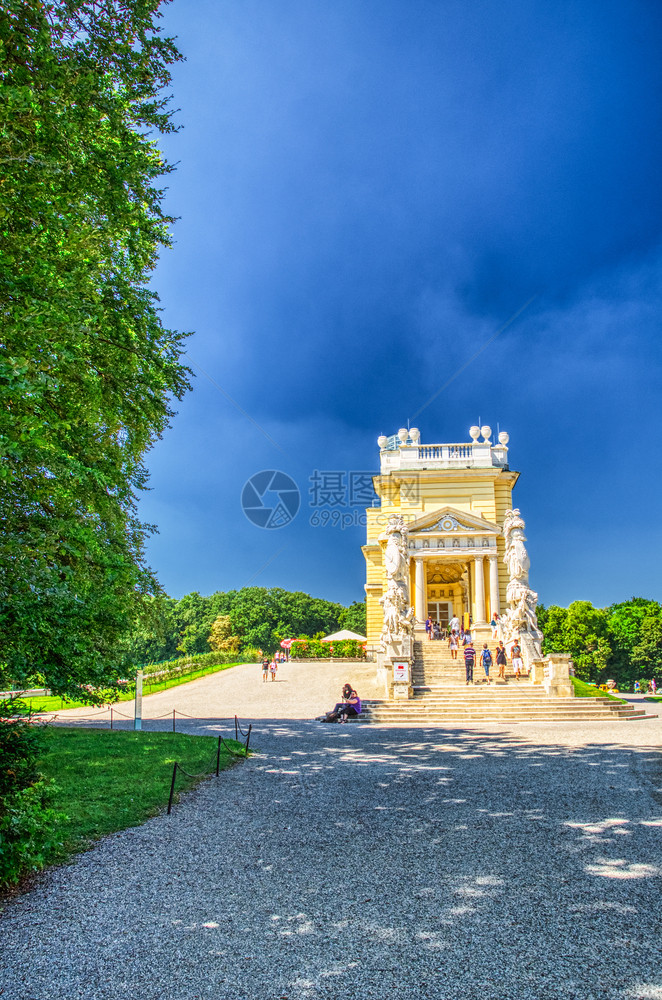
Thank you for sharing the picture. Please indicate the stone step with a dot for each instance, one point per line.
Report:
(412, 708)
(534, 705)
(510, 717)
(473, 699)
(523, 703)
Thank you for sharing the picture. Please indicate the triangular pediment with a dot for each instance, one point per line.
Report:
(451, 521)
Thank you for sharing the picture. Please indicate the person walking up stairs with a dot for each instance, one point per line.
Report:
(469, 661)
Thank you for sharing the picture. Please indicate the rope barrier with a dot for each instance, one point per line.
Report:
(86, 717)
(199, 774)
(230, 749)
(221, 740)
(44, 717)
(112, 711)
(237, 728)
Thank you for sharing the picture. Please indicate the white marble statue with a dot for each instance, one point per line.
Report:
(516, 558)
(519, 622)
(396, 557)
(398, 615)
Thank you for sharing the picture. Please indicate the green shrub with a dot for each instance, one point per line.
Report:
(28, 831)
(250, 654)
(311, 649)
(20, 744)
(28, 826)
(188, 664)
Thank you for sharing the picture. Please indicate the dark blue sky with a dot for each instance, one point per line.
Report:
(367, 192)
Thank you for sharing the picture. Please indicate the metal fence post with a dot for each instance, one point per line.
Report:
(111, 716)
(236, 729)
(172, 787)
(218, 756)
(248, 737)
(173, 721)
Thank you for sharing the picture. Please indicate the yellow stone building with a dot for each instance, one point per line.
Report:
(453, 498)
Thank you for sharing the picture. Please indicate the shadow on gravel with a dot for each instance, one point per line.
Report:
(352, 861)
(549, 853)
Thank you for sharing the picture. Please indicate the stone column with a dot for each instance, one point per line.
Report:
(419, 589)
(494, 585)
(479, 581)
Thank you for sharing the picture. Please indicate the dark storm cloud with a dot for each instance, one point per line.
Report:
(369, 190)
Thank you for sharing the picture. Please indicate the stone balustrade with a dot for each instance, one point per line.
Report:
(415, 457)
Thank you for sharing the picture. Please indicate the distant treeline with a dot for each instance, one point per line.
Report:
(623, 641)
(259, 617)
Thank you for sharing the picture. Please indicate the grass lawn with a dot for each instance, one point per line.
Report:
(53, 703)
(107, 781)
(584, 690)
(652, 697)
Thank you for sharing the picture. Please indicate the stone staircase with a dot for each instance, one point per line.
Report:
(495, 704)
(434, 667)
(441, 696)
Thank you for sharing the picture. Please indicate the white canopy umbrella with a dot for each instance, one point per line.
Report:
(343, 634)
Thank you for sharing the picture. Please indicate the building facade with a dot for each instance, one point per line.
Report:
(453, 499)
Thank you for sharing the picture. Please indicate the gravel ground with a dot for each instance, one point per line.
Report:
(350, 861)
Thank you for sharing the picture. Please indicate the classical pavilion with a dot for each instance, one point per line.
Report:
(453, 499)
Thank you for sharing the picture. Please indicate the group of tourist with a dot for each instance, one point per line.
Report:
(270, 666)
(458, 635)
(457, 632)
(486, 660)
(649, 686)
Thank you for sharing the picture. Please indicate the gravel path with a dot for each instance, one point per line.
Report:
(355, 862)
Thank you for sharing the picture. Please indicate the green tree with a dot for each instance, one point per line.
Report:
(87, 370)
(259, 616)
(626, 630)
(353, 617)
(646, 656)
(221, 637)
(582, 631)
(552, 625)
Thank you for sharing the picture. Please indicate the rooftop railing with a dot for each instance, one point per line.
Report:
(444, 456)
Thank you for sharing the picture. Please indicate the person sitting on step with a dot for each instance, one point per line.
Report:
(350, 706)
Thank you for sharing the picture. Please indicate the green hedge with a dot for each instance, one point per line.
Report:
(169, 669)
(312, 649)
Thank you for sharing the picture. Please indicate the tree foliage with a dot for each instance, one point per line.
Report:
(87, 370)
(354, 618)
(623, 641)
(258, 617)
(646, 654)
(220, 637)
